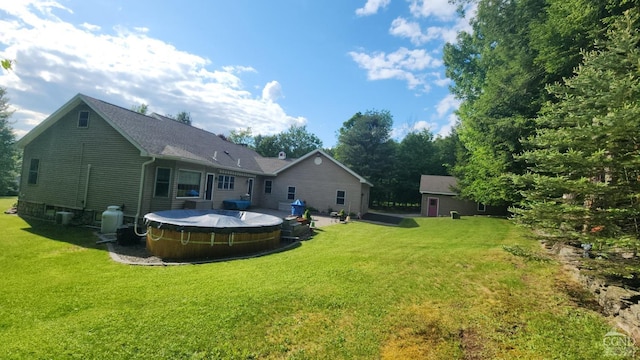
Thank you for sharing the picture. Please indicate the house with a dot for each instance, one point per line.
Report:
(90, 154)
(439, 198)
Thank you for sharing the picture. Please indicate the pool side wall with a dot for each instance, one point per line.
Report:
(170, 244)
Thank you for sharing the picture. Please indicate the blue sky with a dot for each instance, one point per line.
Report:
(235, 64)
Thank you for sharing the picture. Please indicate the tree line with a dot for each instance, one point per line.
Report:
(365, 146)
(550, 115)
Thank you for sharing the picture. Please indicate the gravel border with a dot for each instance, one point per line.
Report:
(138, 254)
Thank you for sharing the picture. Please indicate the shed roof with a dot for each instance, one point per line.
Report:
(438, 184)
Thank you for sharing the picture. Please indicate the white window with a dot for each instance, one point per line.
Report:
(291, 193)
(226, 182)
(34, 167)
(188, 183)
(482, 207)
(340, 196)
(163, 179)
(83, 119)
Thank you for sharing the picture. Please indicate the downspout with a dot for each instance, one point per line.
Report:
(135, 221)
(86, 187)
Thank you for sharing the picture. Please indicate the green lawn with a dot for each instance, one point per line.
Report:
(434, 289)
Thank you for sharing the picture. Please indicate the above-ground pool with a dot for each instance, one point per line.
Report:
(200, 234)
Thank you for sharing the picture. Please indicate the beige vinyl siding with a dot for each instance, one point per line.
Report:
(449, 203)
(158, 203)
(317, 185)
(239, 189)
(66, 151)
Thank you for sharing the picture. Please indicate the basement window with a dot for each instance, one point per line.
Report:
(83, 119)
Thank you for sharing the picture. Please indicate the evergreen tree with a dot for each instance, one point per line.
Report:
(584, 178)
(8, 152)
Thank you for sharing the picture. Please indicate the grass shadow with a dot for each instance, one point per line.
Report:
(409, 223)
(79, 236)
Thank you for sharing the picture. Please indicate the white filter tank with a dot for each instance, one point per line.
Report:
(112, 219)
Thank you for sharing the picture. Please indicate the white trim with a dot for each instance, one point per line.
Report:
(294, 193)
(229, 188)
(437, 206)
(178, 184)
(344, 198)
(318, 151)
(437, 193)
(265, 187)
(155, 183)
(79, 115)
(214, 183)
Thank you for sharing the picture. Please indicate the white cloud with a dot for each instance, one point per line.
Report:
(402, 64)
(56, 60)
(372, 7)
(90, 27)
(411, 29)
(447, 104)
(403, 130)
(441, 9)
(272, 91)
(445, 109)
(445, 130)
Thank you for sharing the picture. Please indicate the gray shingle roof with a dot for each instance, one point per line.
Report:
(437, 184)
(163, 137)
(272, 165)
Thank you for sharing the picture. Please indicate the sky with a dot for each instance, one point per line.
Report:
(233, 65)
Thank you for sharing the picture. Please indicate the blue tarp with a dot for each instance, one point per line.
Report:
(297, 208)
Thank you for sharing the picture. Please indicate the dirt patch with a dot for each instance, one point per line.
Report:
(422, 332)
(471, 344)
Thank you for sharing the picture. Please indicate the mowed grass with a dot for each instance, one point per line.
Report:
(431, 289)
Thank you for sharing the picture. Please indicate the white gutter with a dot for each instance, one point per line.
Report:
(135, 221)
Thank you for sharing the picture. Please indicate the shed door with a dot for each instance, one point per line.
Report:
(432, 209)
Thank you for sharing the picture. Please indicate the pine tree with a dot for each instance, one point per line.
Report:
(8, 153)
(584, 167)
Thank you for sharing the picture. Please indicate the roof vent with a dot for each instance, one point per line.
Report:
(282, 155)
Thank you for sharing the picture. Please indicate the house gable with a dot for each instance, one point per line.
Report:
(80, 167)
(322, 182)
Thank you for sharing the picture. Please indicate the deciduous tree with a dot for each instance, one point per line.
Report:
(365, 146)
(295, 142)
